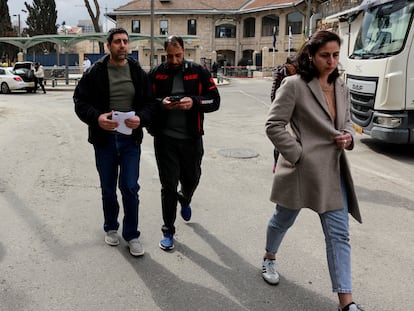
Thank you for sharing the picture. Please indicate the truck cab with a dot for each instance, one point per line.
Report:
(380, 71)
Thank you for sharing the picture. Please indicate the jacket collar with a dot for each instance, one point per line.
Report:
(316, 90)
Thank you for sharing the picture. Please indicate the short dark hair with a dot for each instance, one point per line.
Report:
(174, 41)
(114, 31)
(306, 69)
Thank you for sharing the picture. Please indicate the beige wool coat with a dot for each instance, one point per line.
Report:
(310, 163)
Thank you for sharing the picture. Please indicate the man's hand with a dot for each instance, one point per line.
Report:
(106, 123)
(184, 104)
(133, 123)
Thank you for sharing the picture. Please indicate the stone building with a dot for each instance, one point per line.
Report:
(232, 32)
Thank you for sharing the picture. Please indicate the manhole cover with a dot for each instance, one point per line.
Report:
(240, 153)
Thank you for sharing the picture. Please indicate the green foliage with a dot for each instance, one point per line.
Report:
(42, 16)
(5, 23)
(41, 20)
(7, 51)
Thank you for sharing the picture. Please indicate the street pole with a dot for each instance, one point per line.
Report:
(307, 18)
(152, 36)
(18, 24)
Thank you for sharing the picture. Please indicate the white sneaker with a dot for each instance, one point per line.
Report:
(352, 307)
(112, 238)
(269, 272)
(135, 247)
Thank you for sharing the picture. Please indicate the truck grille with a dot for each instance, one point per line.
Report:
(362, 104)
(362, 108)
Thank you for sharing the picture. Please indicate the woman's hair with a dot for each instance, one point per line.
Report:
(306, 69)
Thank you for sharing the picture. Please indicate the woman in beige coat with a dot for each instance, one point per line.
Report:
(309, 123)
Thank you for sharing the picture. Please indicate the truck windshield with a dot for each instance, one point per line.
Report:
(384, 30)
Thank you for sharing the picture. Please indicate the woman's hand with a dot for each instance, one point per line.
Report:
(344, 140)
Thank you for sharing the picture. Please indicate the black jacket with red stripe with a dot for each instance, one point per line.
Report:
(198, 84)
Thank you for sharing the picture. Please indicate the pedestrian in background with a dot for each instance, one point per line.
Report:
(309, 123)
(116, 83)
(39, 77)
(86, 63)
(214, 69)
(183, 92)
(279, 73)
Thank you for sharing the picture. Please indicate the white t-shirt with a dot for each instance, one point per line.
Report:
(86, 64)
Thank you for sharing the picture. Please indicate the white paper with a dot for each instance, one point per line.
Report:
(120, 117)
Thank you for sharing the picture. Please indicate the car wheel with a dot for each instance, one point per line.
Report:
(5, 88)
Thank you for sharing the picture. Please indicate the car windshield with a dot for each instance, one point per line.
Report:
(21, 71)
(384, 30)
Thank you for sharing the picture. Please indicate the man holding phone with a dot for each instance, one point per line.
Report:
(183, 92)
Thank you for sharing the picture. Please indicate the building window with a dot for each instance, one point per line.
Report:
(136, 26)
(192, 27)
(294, 21)
(269, 22)
(226, 31)
(249, 27)
(163, 27)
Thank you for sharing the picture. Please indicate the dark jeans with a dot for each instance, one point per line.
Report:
(119, 160)
(179, 161)
(39, 81)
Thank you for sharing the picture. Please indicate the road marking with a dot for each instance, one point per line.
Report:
(255, 98)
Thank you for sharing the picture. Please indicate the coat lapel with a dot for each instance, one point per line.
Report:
(316, 90)
(340, 104)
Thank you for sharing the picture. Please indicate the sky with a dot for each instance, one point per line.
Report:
(69, 11)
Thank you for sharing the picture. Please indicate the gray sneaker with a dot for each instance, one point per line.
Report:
(269, 272)
(135, 247)
(112, 238)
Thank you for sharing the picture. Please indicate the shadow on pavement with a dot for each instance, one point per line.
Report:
(242, 280)
(384, 198)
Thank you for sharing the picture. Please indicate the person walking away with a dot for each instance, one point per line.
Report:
(39, 77)
(116, 87)
(279, 73)
(183, 92)
(309, 123)
(214, 69)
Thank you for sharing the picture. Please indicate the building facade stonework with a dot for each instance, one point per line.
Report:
(232, 33)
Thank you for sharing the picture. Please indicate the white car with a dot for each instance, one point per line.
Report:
(10, 81)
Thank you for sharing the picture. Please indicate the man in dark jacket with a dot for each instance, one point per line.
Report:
(183, 92)
(113, 97)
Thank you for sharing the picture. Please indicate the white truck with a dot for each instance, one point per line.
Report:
(380, 71)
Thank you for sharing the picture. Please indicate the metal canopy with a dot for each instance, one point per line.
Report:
(63, 40)
(68, 40)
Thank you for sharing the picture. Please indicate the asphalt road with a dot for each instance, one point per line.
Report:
(53, 255)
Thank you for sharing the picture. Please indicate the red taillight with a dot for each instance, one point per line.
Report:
(17, 79)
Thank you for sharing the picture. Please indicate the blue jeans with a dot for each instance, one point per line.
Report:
(336, 230)
(119, 159)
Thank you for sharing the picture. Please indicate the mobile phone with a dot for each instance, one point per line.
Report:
(175, 98)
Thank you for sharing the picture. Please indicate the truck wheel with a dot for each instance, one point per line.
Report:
(5, 88)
